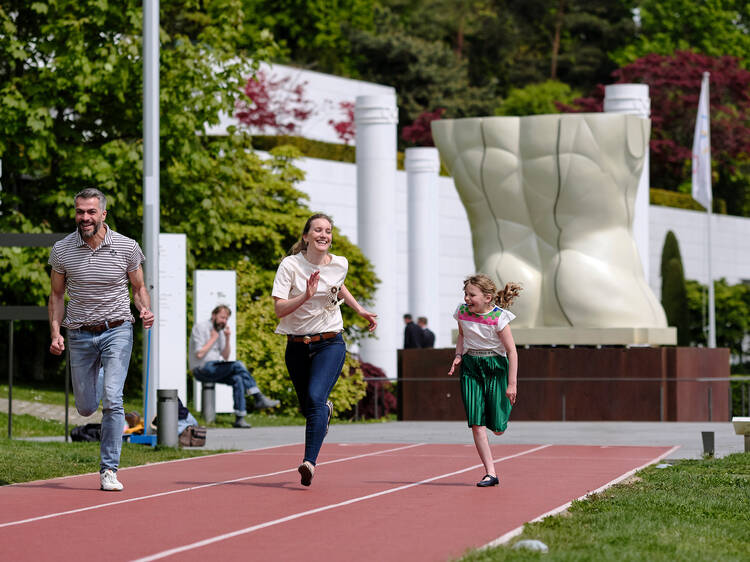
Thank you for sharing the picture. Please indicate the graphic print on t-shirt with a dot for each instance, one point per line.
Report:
(491, 318)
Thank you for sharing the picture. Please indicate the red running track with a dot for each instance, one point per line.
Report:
(367, 501)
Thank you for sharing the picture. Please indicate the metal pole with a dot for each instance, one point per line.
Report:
(711, 304)
(10, 379)
(563, 407)
(151, 225)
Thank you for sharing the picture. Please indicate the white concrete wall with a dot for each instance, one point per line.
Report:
(731, 244)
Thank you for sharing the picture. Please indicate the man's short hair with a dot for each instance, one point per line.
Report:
(90, 193)
(407, 316)
(219, 308)
(422, 320)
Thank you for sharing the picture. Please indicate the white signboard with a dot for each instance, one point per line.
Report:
(172, 313)
(210, 289)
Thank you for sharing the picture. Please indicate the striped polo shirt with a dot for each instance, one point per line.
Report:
(96, 280)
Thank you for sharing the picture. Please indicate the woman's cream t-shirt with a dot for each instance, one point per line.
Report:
(322, 312)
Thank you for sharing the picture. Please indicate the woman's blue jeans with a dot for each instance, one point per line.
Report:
(109, 350)
(314, 369)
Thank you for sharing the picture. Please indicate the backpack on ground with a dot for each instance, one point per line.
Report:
(88, 432)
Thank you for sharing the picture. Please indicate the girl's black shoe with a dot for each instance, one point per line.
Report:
(488, 481)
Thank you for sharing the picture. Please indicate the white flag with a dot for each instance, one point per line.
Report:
(702, 149)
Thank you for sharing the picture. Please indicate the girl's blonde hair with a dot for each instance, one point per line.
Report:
(300, 245)
(502, 298)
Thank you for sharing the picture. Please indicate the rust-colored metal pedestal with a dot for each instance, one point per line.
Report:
(581, 384)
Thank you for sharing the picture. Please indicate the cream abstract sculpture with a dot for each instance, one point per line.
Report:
(550, 202)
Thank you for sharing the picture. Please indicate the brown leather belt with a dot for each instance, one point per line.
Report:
(104, 326)
(312, 337)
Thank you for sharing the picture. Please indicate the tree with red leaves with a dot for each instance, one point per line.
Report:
(273, 105)
(674, 86)
(419, 133)
(345, 128)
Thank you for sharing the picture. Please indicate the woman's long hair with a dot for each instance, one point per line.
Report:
(300, 245)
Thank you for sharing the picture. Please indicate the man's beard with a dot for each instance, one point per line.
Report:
(85, 236)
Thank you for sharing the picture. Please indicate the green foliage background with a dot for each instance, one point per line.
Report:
(70, 117)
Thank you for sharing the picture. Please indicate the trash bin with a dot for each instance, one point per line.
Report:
(167, 415)
(208, 401)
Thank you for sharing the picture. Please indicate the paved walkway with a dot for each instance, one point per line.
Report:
(49, 411)
(687, 435)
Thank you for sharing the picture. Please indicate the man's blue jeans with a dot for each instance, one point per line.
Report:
(314, 369)
(109, 350)
(233, 373)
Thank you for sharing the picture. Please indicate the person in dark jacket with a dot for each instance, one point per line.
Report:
(428, 336)
(412, 333)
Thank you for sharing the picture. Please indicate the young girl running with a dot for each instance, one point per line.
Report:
(490, 363)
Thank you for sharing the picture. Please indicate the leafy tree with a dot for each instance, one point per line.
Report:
(312, 33)
(709, 27)
(70, 81)
(345, 129)
(536, 99)
(272, 105)
(426, 74)
(674, 290)
(732, 307)
(674, 86)
(419, 133)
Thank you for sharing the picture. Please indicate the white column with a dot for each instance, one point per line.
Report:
(375, 118)
(422, 170)
(634, 99)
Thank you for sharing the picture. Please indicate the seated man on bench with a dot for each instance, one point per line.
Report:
(209, 350)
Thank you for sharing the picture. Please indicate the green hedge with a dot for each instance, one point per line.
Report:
(320, 149)
(667, 198)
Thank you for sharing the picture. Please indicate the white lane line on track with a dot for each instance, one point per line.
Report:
(219, 538)
(209, 456)
(518, 530)
(193, 488)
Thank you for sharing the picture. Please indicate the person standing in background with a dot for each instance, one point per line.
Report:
(412, 333)
(428, 336)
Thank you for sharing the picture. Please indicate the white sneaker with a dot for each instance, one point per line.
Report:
(109, 481)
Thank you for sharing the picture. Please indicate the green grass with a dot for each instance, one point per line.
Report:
(25, 425)
(694, 510)
(56, 396)
(24, 461)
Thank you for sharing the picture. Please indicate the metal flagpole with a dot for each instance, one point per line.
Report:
(151, 189)
(711, 303)
(702, 187)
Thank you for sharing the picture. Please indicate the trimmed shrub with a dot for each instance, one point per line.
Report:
(382, 390)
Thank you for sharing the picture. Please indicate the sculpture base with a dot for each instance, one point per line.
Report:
(592, 336)
(595, 336)
(581, 384)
